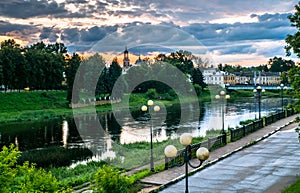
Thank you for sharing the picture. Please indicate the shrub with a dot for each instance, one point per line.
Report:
(111, 180)
(151, 93)
(24, 178)
(8, 172)
(198, 89)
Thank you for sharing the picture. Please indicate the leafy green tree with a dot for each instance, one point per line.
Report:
(46, 65)
(280, 64)
(91, 69)
(198, 78)
(181, 59)
(72, 66)
(293, 41)
(13, 64)
(1, 75)
(114, 73)
(294, 77)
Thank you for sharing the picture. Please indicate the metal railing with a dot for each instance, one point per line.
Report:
(235, 134)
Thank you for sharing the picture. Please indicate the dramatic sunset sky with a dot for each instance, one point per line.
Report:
(246, 32)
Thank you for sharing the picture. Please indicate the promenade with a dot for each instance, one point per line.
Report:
(161, 180)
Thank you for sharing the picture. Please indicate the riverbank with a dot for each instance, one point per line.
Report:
(40, 105)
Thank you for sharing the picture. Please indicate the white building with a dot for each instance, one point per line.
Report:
(214, 77)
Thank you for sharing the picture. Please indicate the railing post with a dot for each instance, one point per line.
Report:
(244, 130)
(208, 143)
(231, 135)
(166, 163)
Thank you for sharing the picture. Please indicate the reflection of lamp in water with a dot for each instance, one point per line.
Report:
(257, 94)
(16, 141)
(156, 108)
(223, 96)
(65, 132)
(282, 87)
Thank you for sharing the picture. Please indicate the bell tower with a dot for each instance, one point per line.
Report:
(126, 61)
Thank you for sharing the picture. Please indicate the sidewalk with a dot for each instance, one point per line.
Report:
(164, 178)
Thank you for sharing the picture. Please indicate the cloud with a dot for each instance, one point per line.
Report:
(30, 8)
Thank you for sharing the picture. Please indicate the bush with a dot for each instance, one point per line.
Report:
(24, 178)
(111, 180)
(198, 89)
(8, 172)
(151, 93)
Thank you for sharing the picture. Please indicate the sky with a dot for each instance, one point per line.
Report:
(244, 32)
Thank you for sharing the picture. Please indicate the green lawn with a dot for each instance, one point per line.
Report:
(294, 188)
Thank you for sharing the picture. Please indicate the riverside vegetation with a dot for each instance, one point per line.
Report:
(31, 106)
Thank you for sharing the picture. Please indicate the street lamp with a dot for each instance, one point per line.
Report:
(222, 96)
(281, 87)
(257, 93)
(156, 108)
(202, 154)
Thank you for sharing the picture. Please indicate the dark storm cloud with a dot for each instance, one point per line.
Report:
(6, 27)
(30, 8)
(270, 26)
(70, 35)
(49, 33)
(89, 35)
(96, 33)
(236, 49)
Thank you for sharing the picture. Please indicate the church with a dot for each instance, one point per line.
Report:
(126, 60)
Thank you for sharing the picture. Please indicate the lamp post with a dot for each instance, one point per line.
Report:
(281, 87)
(257, 93)
(202, 154)
(222, 96)
(156, 108)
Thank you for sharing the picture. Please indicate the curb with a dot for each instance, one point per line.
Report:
(221, 158)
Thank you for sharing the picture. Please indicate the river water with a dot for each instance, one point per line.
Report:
(82, 136)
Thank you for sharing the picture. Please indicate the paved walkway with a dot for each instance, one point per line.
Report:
(162, 179)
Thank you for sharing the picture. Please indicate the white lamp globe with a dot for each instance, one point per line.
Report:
(186, 139)
(170, 151)
(150, 102)
(144, 108)
(156, 108)
(202, 153)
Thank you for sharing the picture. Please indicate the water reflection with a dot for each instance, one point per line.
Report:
(65, 133)
(84, 132)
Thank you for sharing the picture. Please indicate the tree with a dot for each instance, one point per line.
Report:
(197, 78)
(294, 77)
(46, 64)
(114, 73)
(71, 68)
(13, 64)
(280, 65)
(293, 41)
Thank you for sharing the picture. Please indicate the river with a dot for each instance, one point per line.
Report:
(45, 141)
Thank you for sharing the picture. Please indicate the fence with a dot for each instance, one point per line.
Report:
(235, 134)
(238, 133)
(210, 143)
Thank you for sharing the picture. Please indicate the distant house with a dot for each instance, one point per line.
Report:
(258, 78)
(213, 77)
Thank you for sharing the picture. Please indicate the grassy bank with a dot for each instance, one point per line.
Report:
(31, 106)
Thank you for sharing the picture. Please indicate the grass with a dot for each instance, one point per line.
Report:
(294, 188)
(70, 177)
(28, 106)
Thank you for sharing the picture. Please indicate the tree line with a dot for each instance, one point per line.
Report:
(46, 66)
